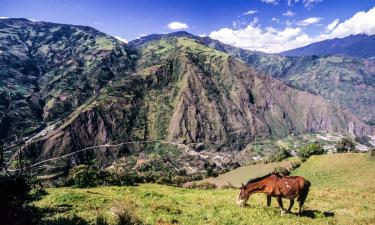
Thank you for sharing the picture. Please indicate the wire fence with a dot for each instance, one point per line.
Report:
(180, 145)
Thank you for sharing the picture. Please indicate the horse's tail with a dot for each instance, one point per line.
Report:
(304, 192)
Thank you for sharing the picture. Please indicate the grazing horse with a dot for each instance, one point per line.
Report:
(275, 185)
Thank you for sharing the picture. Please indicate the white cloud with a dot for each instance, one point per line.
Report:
(361, 22)
(270, 1)
(310, 3)
(332, 25)
(309, 21)
(273, 40)
(3, 17)
(250, 12)
(289, 13)
(267, 39)
(121, 39)
(202, 35)
(177, 26)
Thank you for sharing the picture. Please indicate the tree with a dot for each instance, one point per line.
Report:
(311, 149)
(86, 175)
(345, 145)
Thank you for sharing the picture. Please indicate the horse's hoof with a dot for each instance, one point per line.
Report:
(283, 212)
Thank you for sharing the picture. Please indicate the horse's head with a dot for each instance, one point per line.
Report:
(243, 196)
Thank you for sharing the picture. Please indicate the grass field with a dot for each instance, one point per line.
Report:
(342, 192)
(245, 173)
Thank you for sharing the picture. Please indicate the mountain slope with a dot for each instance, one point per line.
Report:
(360, 45)
(51, 69)
(183, 91)
(173, 89)
(345, 81)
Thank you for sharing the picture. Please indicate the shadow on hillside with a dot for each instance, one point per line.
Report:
(71, 220)
(316, 214)
(57, 209)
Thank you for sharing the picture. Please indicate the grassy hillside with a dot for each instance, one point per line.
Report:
(342, 193)
(245, 173)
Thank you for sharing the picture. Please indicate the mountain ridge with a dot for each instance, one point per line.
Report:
(359, 45)
(345, 81)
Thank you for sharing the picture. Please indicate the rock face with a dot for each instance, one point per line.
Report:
(174, 89)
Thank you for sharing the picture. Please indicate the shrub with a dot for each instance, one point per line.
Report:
(365, 140)
(295, 164)
(86, 176)
(126, 215)
(345, 145)
(204, 185)
(211, 172)
(100, 220)
(372, 154)
(15, 201)
(281, 170)
(310, 149)
(229, 185)
(278, 155)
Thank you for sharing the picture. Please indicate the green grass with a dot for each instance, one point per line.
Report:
(245, 173)
(341, 184)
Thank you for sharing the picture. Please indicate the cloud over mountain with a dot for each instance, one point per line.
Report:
(177, 26)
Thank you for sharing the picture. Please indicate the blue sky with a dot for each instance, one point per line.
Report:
(265, 25)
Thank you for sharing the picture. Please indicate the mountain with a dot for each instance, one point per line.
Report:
(348, 82)
(73, 87)
(360, 45)
(51, 69)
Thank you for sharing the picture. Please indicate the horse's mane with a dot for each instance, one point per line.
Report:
(261, 178)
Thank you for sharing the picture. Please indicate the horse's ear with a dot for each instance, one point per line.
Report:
(242, 185)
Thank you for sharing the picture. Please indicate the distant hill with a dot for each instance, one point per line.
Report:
(360, 45)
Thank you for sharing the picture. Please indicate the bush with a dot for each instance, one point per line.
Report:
(126, 215)
(345, 145)
(310, 149)
(365, 140)
(281, 170)
(278, 155)
(372, 154)
(84, 176)
(295, 164)
(229, 185)
(211, 172)
(204, 185)
(15, 201)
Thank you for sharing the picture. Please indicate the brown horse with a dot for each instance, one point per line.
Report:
(275, 185)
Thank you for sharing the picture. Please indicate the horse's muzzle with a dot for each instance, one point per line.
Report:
(241, 202)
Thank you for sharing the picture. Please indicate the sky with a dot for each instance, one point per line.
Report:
(264, 25)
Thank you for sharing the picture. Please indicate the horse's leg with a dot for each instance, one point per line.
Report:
(268, 201)
(280, 201)
(303, 195)
(291, 204)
